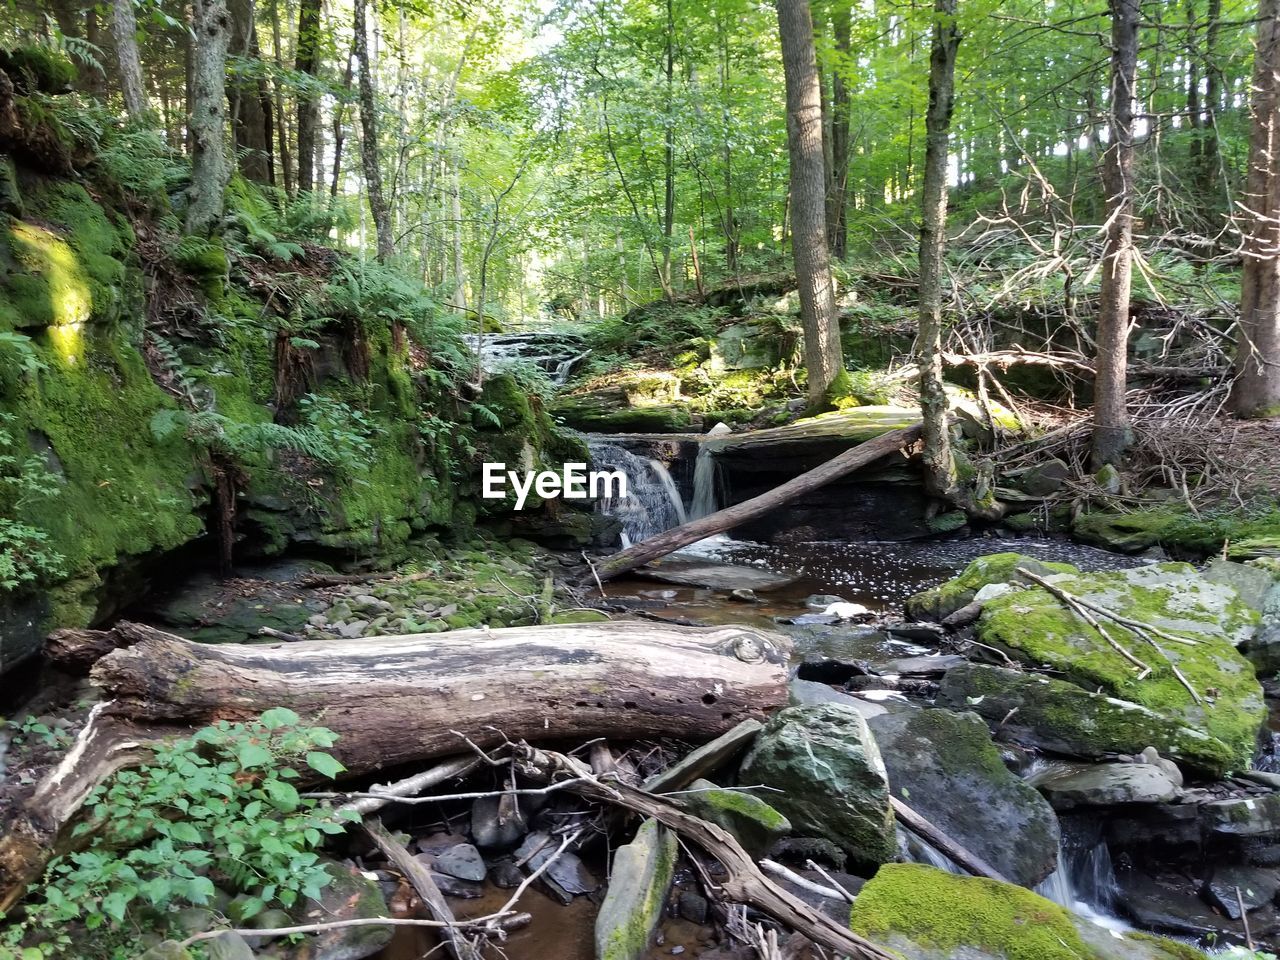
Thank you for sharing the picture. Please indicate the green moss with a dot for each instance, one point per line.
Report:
(630, 935)
(1249, 532)
(580, 616)
(940, 601)
(36, 67)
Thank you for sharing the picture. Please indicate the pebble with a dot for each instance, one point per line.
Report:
(462, 861)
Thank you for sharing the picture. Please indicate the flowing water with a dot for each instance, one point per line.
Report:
(652, 503)
(555, 354)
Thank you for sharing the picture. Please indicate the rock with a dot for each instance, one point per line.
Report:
(693, 907)
(719, 430)
(945, 766)
(847, 611)
(1168, 905)
(1108, 479)
(638, 885)
(1039, 630)
(833, 778)
(744, 595)
(932, 665)
(1250, 583)
(1045, 478)
(1106, 785)
(462, 861)
(927, 914)
(1258, 886)
(1062, 718)
(505, 874)
(940, 602)
(755, 824)
(1243, 817)
(349, 896)
(1152, 756)
(1263, 648)
(811, 693)
(713, 575)
(353, 630)
(168, 950)
(820, 601)
(571, 874)
(492, 831)
(229, 946)
(948, 522)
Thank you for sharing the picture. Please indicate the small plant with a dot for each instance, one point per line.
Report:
(218, 807)
(25, 552)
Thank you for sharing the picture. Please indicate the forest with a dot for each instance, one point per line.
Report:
(623, 479)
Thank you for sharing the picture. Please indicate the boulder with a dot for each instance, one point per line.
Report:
(754, 823)
(941, 601)
(638, 887)
(1045, 478)
(927, 914)
(1063, 718)
(1258, 887)
(833, 779)
(1107, 785)
(812, 693)
(349, 895)
(462, 861)
(1252, 584)
(945, 766)
(1256, 817)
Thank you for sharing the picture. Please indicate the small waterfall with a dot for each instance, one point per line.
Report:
(652, 503)
(705, 500)
(915, 849)
(1085, 883)
(555, 354)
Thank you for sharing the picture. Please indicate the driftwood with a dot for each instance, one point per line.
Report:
(722, 520)
(745, 882)
(405, 699)
(1003, 359)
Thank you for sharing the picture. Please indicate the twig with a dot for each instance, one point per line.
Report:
(778, 870)
(592, 567)
(835, 884)
(392, 798)
(1244, 920)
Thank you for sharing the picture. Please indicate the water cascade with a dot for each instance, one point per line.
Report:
(652, 503)
(1085, 882)
(555, 354)
(705, 499)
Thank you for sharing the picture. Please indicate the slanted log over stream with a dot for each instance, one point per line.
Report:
(403, 699)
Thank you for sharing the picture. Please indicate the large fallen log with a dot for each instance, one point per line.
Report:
(404, 699)
(722, 520)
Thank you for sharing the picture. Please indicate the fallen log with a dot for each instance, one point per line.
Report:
(722, 520)
(404, 699)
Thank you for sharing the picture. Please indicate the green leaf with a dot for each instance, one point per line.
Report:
(282, 795)
(185, 832)
(324, 764)
(253, 755)
(279, 717)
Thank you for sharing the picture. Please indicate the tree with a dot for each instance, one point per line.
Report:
(939, 465)
(211, 25)
(837, 201)
(369, 138)
(1256, 390)
(1111, 432)
(124, 30)
(818, 315)
(249, 103)
(307, 61)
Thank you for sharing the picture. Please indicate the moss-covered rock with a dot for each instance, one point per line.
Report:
(754, 823)
(638, 886)
(36, 68)
(941, 601)
(944, 765)
(348, 896)
(1039, 629)
(831, 778)
(927, 914)
(1063, 718)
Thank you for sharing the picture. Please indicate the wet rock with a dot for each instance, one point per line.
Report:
(714, 576)
(744, 595)
(801, 849)
(1107, 784)
(1243, 817)
(494, 826)
(1172, 907)
(820, 601)
(750, 819)
(934, 665)
(945, 766)
(693, 907)
(462, 861)
(639, 882)
(349, 896)
(1258, 886)
(1062, 718)
(927, 914)
(833, 779)
(810, 693)
(571, 875)
(505, 874)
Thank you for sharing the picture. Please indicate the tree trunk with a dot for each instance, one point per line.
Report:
(939, 466)
(247, 97)
(708, 526)
(459, 272)
(1256, 391)
(823, 355)
(369, 137)
(211, 26)
(273, 104)
(669, 155)
(307, 61)
(837, 223)
(124, 29)
(404, 699)
(1111, 433)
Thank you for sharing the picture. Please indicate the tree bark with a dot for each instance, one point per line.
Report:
(939, 465)
(1111, 433)
(211, 26)
(677, 537)
(248, 100)
(837, 201)
(403, 699)
(669, 153)
(369, 137)
(307, 61)
(124, 29)
(1256, 391)
(823, 355)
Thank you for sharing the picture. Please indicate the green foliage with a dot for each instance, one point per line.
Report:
(217, 808)
(655, 326)
(26, 554)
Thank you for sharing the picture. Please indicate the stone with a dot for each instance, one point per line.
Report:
(639, 882)
(812, 693)
(462, 861)
(692, 907)
(353, 630)
(713, 575)
(938, 603)
(820, 601)
(945, 767)
(505, 875)
(1258, 886)
(229, 946)
(572, 875)
(348, 896)
(1263, 648)
(931, 665)
(1063, 718)
(1108, 479)
(1106, 785)
(1243, 817)
(744, 595)
(1250, 583)
(752, 821)
(1152, 756)
(1037, 628)
(923, 913)
(168, 950)
(1045, 478)
(491, 830)
(833, 779)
